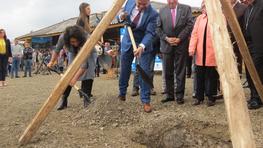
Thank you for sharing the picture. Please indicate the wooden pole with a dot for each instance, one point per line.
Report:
(65, 80)
(237, 112)
(243, 48)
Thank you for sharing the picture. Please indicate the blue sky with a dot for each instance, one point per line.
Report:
(19, 17)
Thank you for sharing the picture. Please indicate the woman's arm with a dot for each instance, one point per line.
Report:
(76, 77)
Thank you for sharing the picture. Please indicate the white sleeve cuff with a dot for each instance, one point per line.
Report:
(142, 45)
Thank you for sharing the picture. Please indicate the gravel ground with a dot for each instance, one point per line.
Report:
(110, 123)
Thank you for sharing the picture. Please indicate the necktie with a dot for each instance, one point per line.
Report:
(137, 19)
(173, 17)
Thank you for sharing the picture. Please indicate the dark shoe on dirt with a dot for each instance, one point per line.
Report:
(168, 100)
(122, 98)
(135, 93)
(198, 102)
(211, 103)
(254, 104)
(86, 102)
(63, 104)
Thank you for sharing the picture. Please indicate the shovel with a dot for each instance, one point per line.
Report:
(139, 69)
(75, 86)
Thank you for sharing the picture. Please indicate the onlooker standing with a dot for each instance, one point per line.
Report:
(253, 30)
(201, 45)
(28, 56)
(174, 28)
(17, 52)
(5, 56)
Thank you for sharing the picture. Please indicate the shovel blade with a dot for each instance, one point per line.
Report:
(144, 76)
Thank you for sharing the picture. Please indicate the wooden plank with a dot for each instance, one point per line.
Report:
(65, 80)
(235, 102)
(243, 48)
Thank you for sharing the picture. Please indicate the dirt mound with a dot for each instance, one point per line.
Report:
(108, 122)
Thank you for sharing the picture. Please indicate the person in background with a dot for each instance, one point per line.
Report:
(5, 57)
(252, 25)
(201, 45)
(28, 56)
(174, 28)
(17, 51)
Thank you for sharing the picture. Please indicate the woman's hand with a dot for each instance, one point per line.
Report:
(191, 53)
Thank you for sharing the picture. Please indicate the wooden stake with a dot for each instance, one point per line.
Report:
(65, 80)
(237, 112)
(243, 48)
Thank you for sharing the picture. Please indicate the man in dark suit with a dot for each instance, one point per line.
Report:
(253, 29)
(143, 18)
(174, 28)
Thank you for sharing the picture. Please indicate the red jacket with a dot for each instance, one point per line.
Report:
(197, 41)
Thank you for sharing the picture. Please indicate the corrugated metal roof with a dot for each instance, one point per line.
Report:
(94, 20)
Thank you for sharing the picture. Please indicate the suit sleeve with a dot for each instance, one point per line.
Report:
(150, 31)
(159, 29)
(189, 26)
(194, 37)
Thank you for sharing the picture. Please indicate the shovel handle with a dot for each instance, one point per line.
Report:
(132, 38)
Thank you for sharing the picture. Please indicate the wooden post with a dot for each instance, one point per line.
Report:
(65, 80)
(243, 48)
(237, 112)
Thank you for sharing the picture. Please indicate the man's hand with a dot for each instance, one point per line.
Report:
(138, 52)
(191, 53)
(173, 41)
(123, 16)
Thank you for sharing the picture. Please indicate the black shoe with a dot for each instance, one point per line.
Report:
(122, 98)
(218, 97)
(254, 104)
(188, 76)
(153, 92)
(24, 76)
(135, 92)
(168, 100)
(86, 102)
(198, 102)
(63, 104)
(164, 92)
(17, 77)
(180, 101)
(211, 103)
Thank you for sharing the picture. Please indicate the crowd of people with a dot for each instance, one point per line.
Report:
(182, 37)
(18, 57)
(172, 33)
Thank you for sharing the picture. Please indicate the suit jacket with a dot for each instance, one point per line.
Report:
(254, 31)
(145, 32)
(197, 42)
(182, 29)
